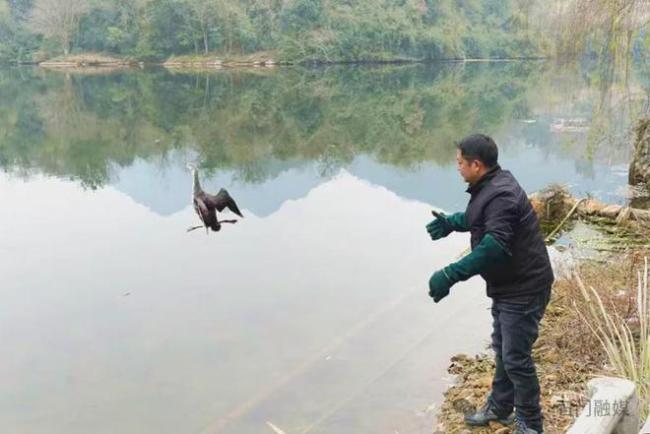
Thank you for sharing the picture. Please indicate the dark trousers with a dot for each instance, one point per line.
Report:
(515, 329)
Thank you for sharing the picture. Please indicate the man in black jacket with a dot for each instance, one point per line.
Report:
(508, 251)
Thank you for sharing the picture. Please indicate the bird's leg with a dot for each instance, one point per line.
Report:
(191, 228)
(227, 221)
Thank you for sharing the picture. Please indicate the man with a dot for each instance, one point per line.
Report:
(508, 251)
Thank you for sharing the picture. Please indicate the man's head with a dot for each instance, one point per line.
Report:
(475, 155)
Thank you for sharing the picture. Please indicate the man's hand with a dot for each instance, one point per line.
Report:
(439, 285)
(440, 227)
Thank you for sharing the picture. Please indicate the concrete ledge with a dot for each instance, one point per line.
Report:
(646, 427)
(608, 393)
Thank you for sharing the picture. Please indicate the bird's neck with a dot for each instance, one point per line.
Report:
(196, 185)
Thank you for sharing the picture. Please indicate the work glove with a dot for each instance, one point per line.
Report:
(487, 253)
(439, 285)
(443, 224)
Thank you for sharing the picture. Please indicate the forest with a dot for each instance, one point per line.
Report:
(322, 30)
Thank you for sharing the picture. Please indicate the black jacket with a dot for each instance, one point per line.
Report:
(500, 206)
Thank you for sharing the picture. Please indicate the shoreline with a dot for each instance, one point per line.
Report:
(86, 60)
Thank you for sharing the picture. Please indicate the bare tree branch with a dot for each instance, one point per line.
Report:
(58, 20)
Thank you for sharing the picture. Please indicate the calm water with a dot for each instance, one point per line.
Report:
(311, 314)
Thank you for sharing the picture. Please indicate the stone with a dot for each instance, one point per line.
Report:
(611, 211)
(642, 215)
(591, 207)
(640, 165)
(462, 405)
(460, 357)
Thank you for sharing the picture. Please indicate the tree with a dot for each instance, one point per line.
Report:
(608, 25)
(6, 33)
(111, 25)
(234, 25)
(300, 15)
(167, 28)
(58, 20)
(205, 15)
(16, 43)
(20, 9)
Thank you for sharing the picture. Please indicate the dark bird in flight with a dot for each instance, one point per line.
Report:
(206, 205)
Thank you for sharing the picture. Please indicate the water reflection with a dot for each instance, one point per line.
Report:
(302, 318)
(259, 124)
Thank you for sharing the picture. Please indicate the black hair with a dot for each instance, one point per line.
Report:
(479, 147)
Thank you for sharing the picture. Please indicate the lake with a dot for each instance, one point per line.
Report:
(311, 314)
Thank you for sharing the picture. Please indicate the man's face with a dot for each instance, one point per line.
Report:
(471, 171)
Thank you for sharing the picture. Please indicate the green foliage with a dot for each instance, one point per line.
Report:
(384, 30)
(310, 30)
(111, 26)
(16, 43)
(329, 30)
(301, 15)
(169, 27)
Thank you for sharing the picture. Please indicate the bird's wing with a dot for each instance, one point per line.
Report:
(223, 200)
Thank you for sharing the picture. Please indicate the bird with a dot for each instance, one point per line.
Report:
(206, 205)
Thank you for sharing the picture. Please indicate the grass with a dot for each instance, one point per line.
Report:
(624, 336)
(567, 354)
